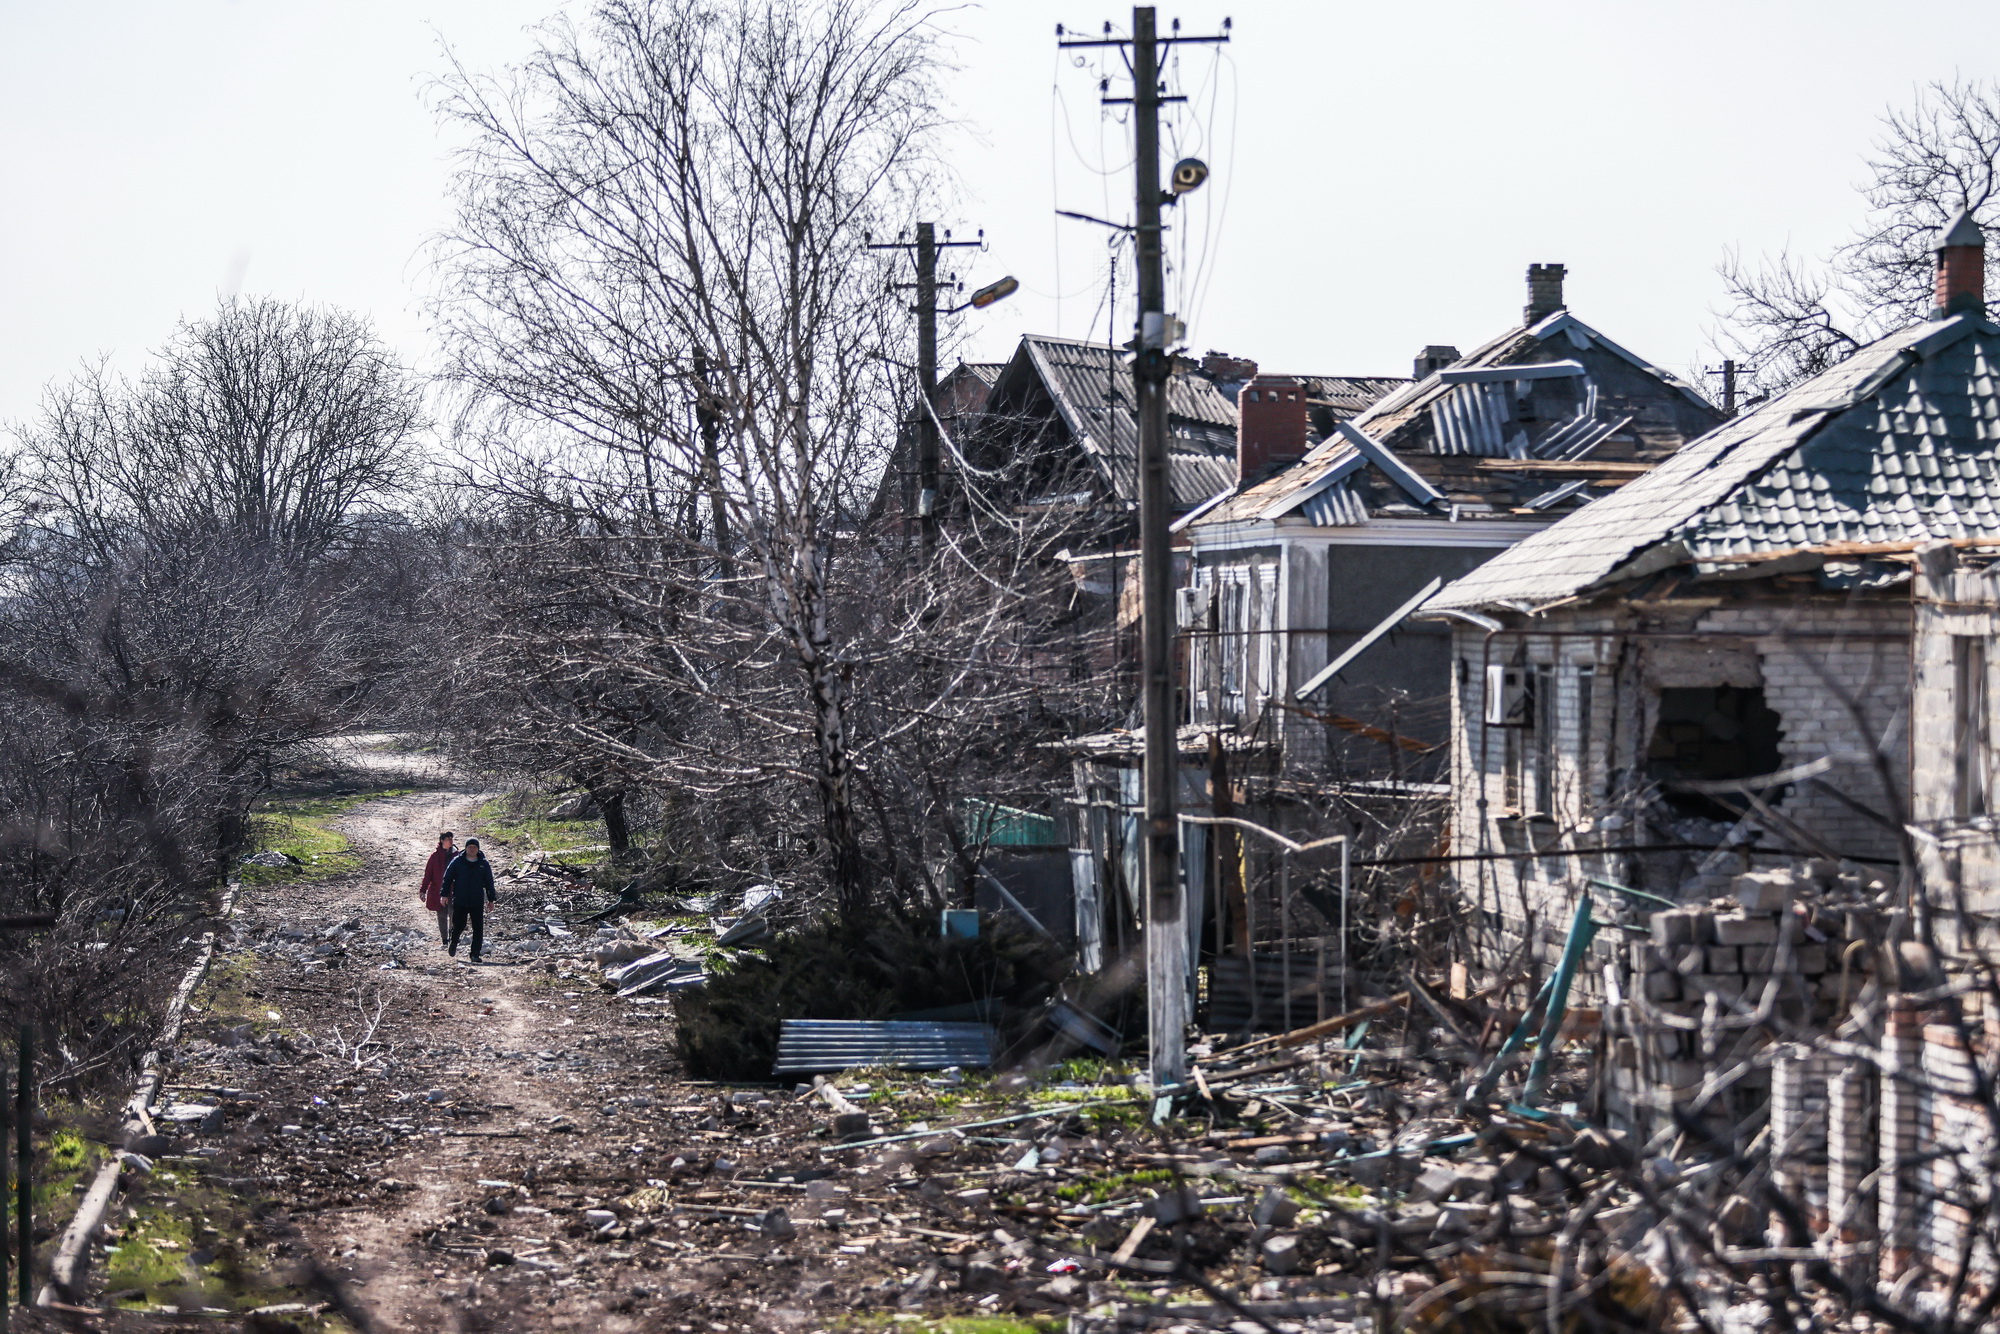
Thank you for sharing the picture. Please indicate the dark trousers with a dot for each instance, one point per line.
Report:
(460, 915)
(444, 925)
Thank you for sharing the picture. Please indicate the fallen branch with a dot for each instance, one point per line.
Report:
(72, 1258)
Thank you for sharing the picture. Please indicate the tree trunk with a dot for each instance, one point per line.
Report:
(611, 805)
(846, 868)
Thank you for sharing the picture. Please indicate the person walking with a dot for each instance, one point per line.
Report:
(468, 887)
(433, 886)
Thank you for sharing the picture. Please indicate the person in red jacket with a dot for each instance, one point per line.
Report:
(433, 887)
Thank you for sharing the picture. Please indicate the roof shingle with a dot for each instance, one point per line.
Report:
(1894, 444)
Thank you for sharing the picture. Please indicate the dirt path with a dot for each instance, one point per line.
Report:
(513, 1151)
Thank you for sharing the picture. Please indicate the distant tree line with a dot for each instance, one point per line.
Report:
(205, 567)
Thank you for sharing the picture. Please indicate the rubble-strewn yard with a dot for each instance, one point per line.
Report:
(513, 1146)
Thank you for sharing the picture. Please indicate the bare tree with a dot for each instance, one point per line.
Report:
(686, 185)
(205, 574)
(1790, 318)
(270, 422)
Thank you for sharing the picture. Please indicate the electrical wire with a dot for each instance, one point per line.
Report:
(1216, 217)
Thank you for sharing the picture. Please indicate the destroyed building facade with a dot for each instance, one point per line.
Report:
(1756, 683)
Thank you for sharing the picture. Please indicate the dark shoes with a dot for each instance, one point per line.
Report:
(452, 949)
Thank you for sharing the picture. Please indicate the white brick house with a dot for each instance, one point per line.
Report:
(1709, 669)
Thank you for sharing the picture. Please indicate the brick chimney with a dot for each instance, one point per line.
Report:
(1433, 358)
(1222, 366)
(1272, 427)
(1961, 267)
(1545, 292)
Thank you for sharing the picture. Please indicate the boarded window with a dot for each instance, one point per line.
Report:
(1530, 776)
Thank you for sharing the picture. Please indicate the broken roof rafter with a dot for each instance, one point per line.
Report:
(1890, 448)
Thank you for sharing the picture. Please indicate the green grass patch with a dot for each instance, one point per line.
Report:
(521, 818)
(1111, 1187)
(302, 827)
(954, 1324)
(181, 1243)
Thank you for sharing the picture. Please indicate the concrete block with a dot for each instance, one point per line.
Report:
(1174, 1206)
(1764, 891)
(1729, 988)
(1734, 929)
(1722, 959)
(1674, 927)
(1662, 987)
(1809, 957)
(1280, 1255)
(1275, 1208)
(1435, 1182)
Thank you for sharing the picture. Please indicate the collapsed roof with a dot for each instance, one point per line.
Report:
(1526, 422)
(1892, 448)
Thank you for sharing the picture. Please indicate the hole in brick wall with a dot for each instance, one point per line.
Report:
(1709, 732)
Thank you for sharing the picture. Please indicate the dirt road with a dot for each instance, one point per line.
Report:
(501, 1146)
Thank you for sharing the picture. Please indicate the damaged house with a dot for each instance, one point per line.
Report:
(1314, 705)
(1304, 570)
(1688, 714)
(1054, 431)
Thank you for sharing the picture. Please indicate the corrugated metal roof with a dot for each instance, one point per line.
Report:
(1399, 419)
(1092, 389)
(812, 1046)
(1896, 443)
(1347, 395)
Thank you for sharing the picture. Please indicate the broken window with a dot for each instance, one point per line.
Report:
(1531, 713)
(1234, 633)
(1971, 794)
(1705, 733)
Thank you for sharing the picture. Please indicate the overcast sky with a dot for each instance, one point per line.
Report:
(1383, 174)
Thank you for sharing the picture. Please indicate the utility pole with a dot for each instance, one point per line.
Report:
(1728, 373)
(711, 457)
(1166, 931)
(1166, 924)
(925, 249)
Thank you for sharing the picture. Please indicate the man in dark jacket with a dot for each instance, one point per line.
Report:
(432, 887)
(468, 887)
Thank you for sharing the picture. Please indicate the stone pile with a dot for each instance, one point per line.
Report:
(1703, 990)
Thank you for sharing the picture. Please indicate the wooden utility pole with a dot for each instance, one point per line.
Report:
(711, 456)
(927, 376)
(1166, 931)
(925, 249)
(1166, 918)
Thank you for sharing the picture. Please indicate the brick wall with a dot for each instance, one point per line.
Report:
(1700, 998)
(1835, 670)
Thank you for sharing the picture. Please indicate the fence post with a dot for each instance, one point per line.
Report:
(6, 1241)
(24, 1167)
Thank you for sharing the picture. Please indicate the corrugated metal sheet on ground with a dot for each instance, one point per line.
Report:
(809, 1046)
(1229, 1008)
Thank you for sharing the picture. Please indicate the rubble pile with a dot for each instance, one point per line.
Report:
(1712, 982)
